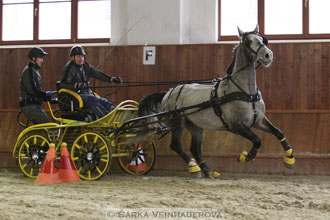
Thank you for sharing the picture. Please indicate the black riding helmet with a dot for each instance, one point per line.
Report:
(77, 50)
(36, 52)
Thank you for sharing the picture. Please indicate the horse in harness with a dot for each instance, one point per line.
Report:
(233, 104)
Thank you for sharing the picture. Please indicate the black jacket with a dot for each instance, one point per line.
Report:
(30, 86)
(73, 73)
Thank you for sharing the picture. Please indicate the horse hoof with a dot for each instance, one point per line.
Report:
(196, 174)
(242, 157)
(289, 166)
(289, 162)
(213, 174)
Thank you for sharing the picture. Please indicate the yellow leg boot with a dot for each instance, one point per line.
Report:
(214, 174)
(289, 160)
(242, 157)
(193, 166)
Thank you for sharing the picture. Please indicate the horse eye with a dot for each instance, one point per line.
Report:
(265, 41)
(247, 42)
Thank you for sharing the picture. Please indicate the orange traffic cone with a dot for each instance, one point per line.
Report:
(67, 171)
(48, 172)
(137, 163)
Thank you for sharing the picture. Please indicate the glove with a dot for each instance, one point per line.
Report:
(82, 85)
(53, 101)
(49, 95)
(117, 79)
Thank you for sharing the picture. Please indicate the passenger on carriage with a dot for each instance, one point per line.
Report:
(75, 76)
(31, 93)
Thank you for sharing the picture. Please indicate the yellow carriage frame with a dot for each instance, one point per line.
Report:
(92, 145)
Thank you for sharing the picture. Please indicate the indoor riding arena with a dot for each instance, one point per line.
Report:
(164, 109)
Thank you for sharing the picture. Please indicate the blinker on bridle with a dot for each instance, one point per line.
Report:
(246, 42)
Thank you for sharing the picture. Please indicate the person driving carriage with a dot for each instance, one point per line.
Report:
(31, 93)
(75, 76)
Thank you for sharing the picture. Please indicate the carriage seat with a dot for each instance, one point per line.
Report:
(72, 105)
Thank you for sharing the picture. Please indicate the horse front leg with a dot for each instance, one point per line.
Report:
(177, 127)
(265, 125)
(246, 132)
(196, 149)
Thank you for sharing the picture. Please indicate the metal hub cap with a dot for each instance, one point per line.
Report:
(35, 156)
(89, 156)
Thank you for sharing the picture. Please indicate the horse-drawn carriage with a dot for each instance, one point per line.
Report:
(92, 143)
(233, 103)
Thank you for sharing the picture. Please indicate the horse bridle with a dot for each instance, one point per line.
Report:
(246, 42)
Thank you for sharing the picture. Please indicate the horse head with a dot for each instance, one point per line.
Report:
(256, 45)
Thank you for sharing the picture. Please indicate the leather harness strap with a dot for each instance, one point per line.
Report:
(216, 105)
(177, 97)
(216, 101)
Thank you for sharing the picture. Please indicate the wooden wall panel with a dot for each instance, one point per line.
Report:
(9, 131)
(307, 133)
(297, 82)
(298, 79)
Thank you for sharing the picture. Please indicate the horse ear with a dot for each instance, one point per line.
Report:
(240, 32)
(256, 29)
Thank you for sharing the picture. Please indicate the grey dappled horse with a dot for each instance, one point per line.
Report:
(234, 104)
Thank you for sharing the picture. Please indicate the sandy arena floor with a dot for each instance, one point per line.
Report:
(167, 196)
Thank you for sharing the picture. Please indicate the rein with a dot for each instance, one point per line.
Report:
(146, 83)
(215, 102)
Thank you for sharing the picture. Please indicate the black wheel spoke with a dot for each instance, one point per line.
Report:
(32, 152)
(92, 157)
(142, 160)
(139, 154)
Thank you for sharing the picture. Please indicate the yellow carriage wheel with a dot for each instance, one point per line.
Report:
(138, 158)
(91, 155)
(31, 154)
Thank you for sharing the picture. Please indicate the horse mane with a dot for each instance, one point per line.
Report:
(149, 104)
(231, 66)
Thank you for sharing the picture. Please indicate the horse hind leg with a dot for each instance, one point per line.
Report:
(195, 149)
(266, 125)
(246, 132)
(177, 127)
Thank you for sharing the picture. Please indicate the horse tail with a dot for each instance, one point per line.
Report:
(149, 105)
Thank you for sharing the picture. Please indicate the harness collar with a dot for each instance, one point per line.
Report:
(216, 101)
